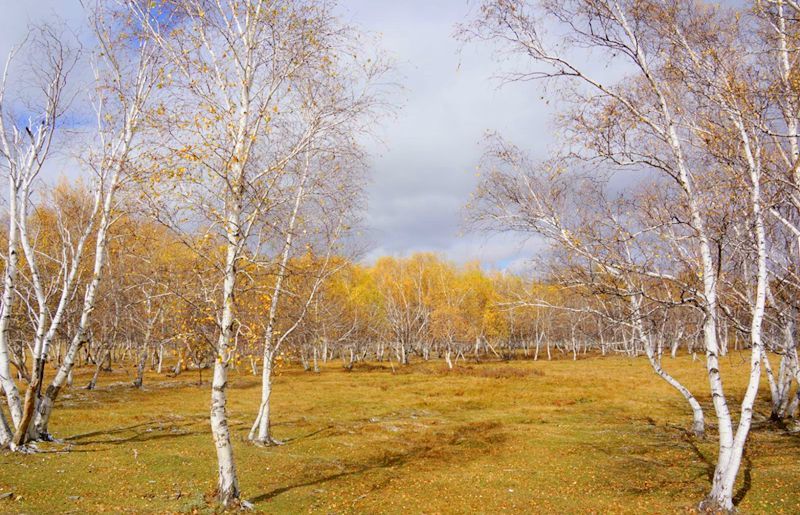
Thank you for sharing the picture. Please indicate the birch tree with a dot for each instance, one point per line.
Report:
(338, 106)
(125, 74)
(25, 145)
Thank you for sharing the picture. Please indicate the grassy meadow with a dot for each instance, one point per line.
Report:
(596, 435)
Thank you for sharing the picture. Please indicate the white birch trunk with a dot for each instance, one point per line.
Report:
(260, 432)
(262, 419)
(228, 482)
(7, 382)
(698, 424)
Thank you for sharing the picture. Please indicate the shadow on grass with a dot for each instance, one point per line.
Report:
(308, 436)
(691, 442)
(460, 444)
(667, 433)
(643, 461)
(747, 480)
(142, 432)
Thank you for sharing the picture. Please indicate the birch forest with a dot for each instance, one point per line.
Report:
(195, 317)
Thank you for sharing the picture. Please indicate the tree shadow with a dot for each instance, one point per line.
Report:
(155, 430)
(709, 466)
(144, 436)
(115, 430)
(747, 480)
(463, 443)
(308, 436)
(643, 459)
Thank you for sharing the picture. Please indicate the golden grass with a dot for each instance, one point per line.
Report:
(596, 435)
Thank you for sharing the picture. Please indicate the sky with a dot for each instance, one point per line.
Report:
(425, 169)
(424, 160)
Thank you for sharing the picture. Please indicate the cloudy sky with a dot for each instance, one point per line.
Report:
(425, 171)
(424, 168)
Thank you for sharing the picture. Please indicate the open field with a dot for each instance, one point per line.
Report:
(557, 436)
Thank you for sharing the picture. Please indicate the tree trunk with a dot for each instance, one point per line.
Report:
(698, 425)
(228, 482)
(139, 381)
(260, 431)
(80, 338)
(160, 358)
(5, 431)
(447, 357)
(93, 381)
(9, 286)
(732, 446)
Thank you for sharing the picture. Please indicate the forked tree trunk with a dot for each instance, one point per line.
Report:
(732, 445)
(47, 401)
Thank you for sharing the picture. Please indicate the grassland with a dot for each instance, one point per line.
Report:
(560, 436)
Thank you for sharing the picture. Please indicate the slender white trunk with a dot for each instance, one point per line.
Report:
(774, 390)
(447, 356)
(698, 424)
(7, 382)
(709, 277)
(262, 419)
(228, 482)
(260, 431)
